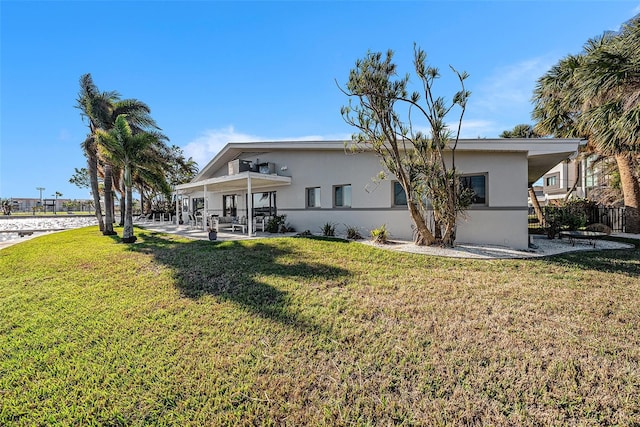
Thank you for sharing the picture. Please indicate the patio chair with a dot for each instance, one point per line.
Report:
(259, 223)
(198, 219)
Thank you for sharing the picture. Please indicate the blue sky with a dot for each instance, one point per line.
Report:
(215, 72)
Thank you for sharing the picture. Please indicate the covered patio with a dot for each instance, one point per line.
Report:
(241, 186)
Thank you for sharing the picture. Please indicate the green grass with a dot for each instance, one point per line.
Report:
(294, 331)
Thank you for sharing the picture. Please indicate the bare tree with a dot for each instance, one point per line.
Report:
(417, 159)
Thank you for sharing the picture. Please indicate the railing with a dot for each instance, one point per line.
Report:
(611, 217)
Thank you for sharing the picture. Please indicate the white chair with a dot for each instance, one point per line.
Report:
(198, 219)
(259, 223)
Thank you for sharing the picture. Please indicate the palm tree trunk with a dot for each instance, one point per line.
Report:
(92, 164)
(123, 206)
(536, 206)
(631, 192)
(108, 201)
(423, 235)
(127, 234)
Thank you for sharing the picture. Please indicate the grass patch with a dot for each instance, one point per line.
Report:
(291, 331)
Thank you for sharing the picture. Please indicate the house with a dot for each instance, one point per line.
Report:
(319, 182)
(581, 175)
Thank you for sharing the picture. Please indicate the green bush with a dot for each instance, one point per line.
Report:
(328, 230)
(380, 235)
(353, 233)
(276, 223)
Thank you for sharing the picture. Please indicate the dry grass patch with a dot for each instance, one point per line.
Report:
(310, 331)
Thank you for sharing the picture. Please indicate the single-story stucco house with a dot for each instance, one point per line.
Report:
(319, 182)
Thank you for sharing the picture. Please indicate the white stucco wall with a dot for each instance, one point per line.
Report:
(503, 221)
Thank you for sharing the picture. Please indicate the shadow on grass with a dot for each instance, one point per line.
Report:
(238, 272)
(626, 261)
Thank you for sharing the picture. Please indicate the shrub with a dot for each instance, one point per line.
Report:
(275, 223)
(353, 233)
(328, 229)
(380, 235)
(287, 228)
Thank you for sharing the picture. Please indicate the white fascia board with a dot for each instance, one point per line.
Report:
(533, 146)
(241, 178)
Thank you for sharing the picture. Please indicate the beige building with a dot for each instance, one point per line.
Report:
(577, 173)
(321, 182)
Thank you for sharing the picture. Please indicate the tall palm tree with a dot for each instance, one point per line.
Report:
(596, 95)
(94, 106)
(102, 109)
(122, 147)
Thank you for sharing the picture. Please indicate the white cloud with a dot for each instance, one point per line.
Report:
(206, 146)
(503, 99)
(477, 128)
(511, 86)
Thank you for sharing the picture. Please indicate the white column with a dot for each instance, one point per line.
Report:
(249, 205)
(204, 209)
(177, 211)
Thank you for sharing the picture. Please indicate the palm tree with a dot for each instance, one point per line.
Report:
(94, 106)
(122, 147)
(102, 109)
(596, 95)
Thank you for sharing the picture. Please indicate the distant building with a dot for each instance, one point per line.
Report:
(26, 204)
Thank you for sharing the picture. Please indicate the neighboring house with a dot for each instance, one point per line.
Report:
(578, 172)
(320, 182)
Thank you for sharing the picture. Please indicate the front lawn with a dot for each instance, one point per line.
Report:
(295, 331)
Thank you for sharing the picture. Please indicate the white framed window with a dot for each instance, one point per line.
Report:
(342, 196)
(313, 197)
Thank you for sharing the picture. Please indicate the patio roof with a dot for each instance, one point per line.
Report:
(237, 182)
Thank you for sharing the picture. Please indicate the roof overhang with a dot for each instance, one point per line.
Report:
(542, 154)
(237, 182)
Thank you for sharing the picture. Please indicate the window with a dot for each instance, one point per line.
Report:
(264, 204)
(313, 197)
(399, 196)
(477, 184)
(342, 196)
(552, 181)
(197, 204)
(230, 205)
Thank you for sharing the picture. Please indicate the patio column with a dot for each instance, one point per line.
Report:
(177, 211)
(204, 209)
(249, 206)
